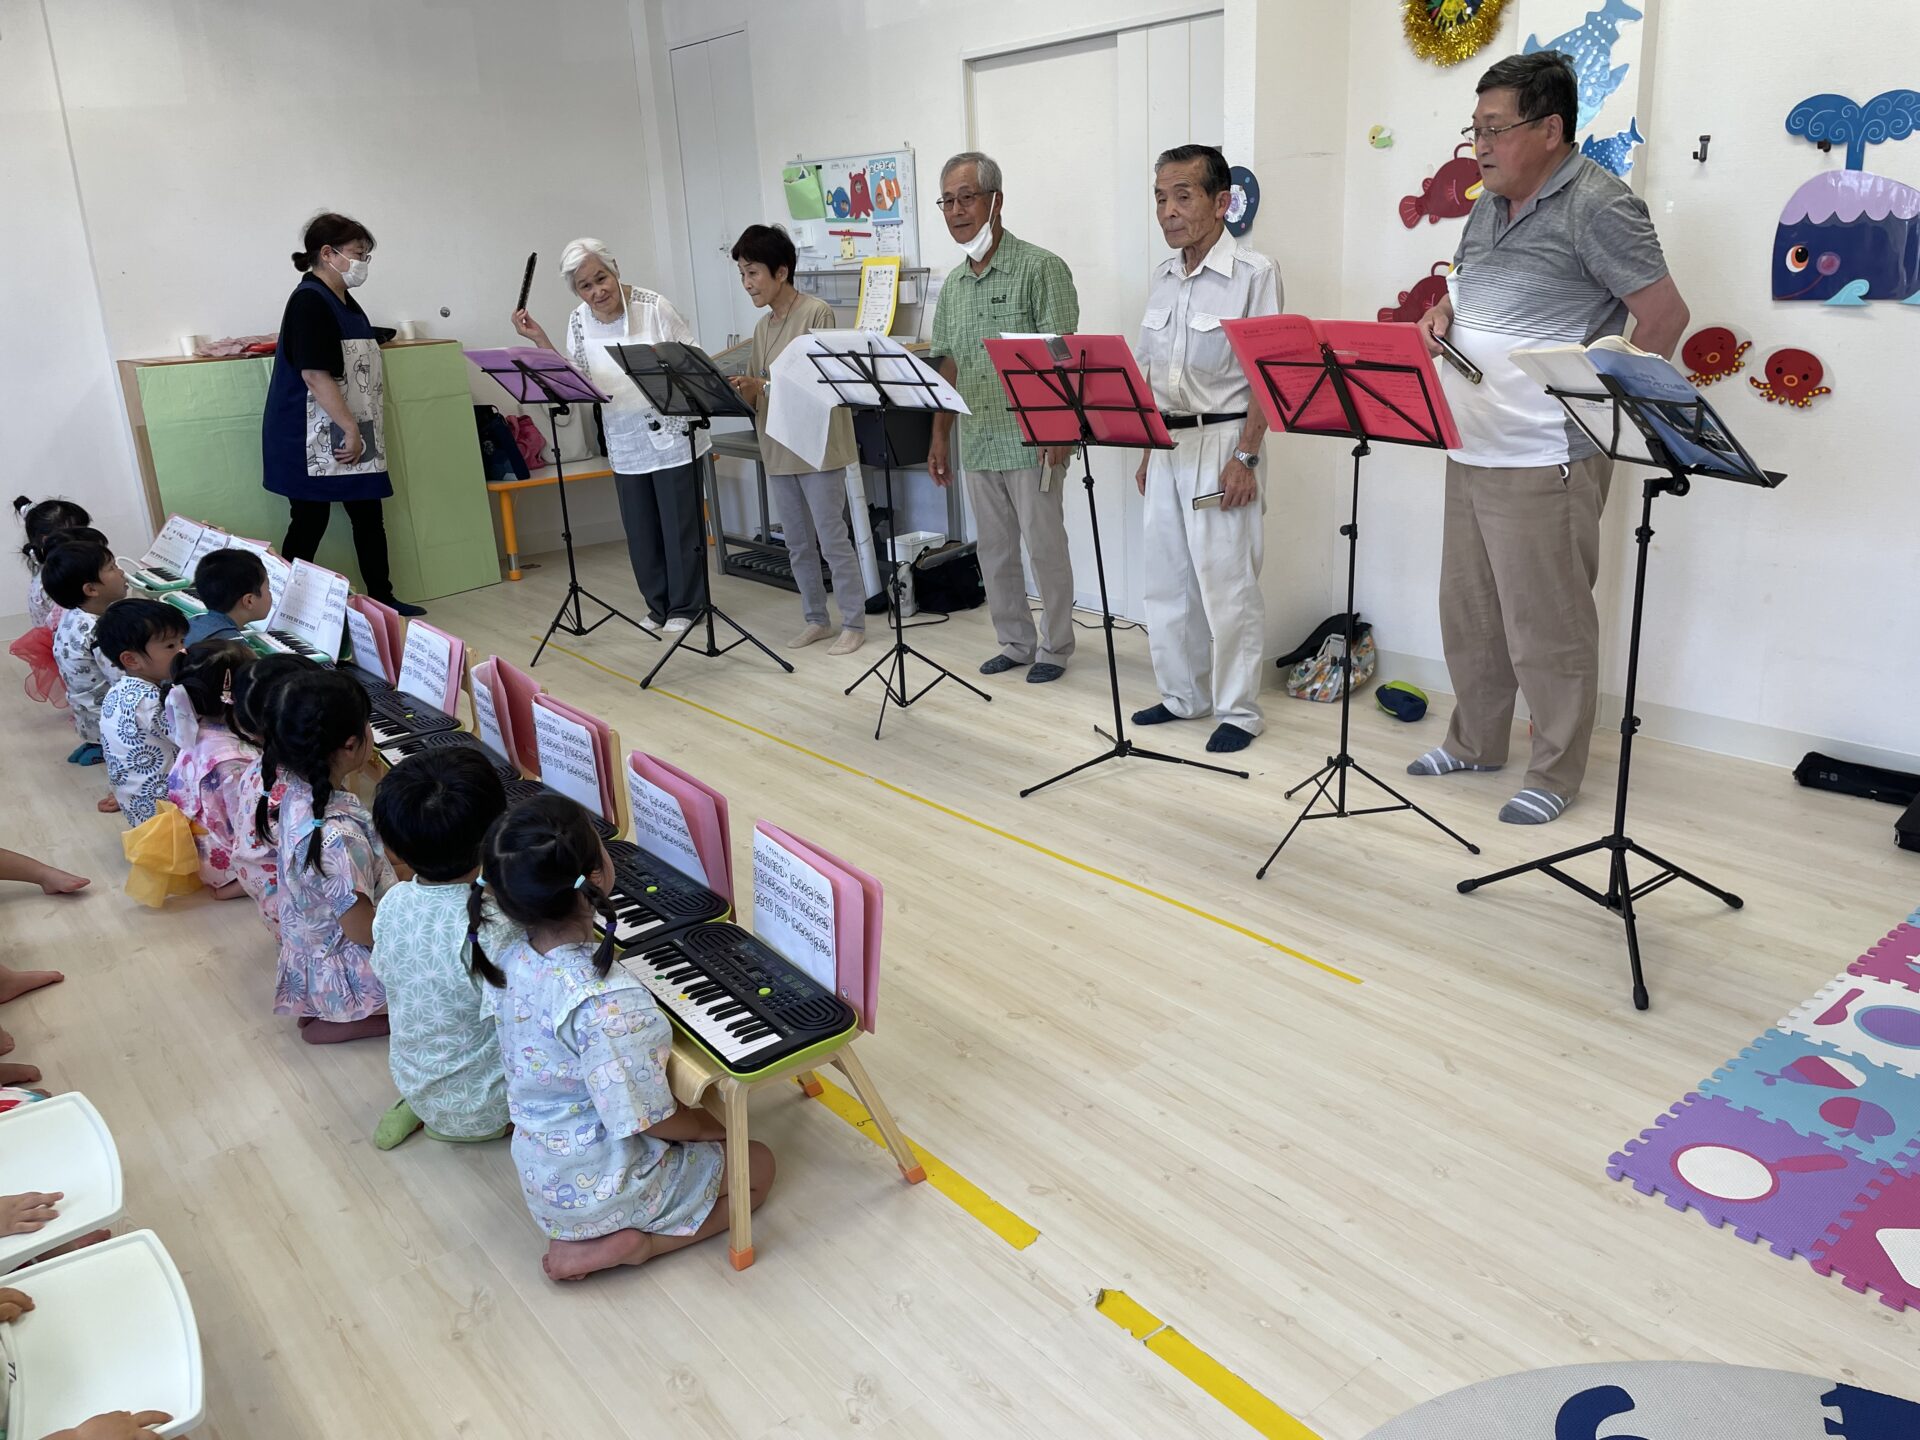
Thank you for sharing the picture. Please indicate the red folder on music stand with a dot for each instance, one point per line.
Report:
(1045, 375)
(1364, 381)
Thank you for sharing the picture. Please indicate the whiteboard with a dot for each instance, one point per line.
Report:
(858, 222)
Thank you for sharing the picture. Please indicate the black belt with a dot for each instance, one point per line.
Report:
(1189, 422)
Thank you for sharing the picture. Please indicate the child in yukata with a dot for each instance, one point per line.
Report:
(615, 1173)
(82, 579)
(140, 638)
(433, 811)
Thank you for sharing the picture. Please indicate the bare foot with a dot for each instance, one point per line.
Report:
(19, 1074)
(15, 983)
(232, 890)
(108, 806)
(61, 882)
(316, 1031)
(577, 1259)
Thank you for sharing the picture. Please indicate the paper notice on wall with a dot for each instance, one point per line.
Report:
(566, 757)
(486, 716)
(366, 649)
(793, 910)
(660, 826)
(313, 608)
(425, 665)
(887, 239)
(879, 292)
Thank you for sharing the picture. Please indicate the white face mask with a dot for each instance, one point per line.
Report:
(982, 240)
(354, 275)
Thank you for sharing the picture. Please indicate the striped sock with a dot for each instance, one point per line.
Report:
(1532, 807)
(1438, 762)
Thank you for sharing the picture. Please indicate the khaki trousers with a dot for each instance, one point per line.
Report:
(1008, 507)
(1519, 555)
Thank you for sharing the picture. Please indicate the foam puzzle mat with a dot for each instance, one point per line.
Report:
(1809, 1139)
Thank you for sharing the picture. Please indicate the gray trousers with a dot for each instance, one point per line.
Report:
(812, 511)
(661, 513)
(1008, 506)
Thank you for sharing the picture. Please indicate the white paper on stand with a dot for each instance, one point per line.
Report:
(486, 716)
(567, 762)
(425, 666)
(173, 548)
(278, 570)
(660, 826)
(793, 910)
(313, 608)
(804, 393)
(366, 650)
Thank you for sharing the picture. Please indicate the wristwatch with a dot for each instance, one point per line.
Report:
(1248, 458)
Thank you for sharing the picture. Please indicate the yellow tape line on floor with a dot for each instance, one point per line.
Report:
(1199, 1367)
(962, 816)
(955, 1186)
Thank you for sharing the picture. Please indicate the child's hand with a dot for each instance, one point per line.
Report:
(119, 1425)
(24, 1214)
(13, 1305)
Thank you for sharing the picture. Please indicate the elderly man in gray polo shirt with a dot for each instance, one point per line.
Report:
(1556, 251)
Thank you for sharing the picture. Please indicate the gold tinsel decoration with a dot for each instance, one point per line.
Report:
(1448, 31)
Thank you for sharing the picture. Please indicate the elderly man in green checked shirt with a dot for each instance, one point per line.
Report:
(1004, 285)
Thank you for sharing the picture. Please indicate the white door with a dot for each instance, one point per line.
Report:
(719, 167)
(1075, 128)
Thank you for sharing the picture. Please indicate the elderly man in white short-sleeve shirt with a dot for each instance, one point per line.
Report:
(1206, 621)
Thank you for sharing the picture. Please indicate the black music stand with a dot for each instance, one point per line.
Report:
(682, 381)
(543, 377)
(1648, 421)
(1054, 405)
(1347, 380)
(879, 381)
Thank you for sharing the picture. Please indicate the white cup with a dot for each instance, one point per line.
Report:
(407, 330)
(190, 344)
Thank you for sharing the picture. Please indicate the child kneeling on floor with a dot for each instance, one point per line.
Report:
(331, 867)
(433, 811)
(615, 1173)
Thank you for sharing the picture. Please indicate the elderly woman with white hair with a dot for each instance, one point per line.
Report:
(653, 455)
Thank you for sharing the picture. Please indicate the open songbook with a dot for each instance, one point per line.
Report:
(1677, 414)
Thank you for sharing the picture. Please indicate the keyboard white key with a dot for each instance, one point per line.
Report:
(690, 1003)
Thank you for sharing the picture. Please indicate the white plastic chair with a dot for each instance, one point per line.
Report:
(59, 1144)
(111, 1329)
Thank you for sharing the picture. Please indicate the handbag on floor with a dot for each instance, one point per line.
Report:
(1320, 675)
(948, 579)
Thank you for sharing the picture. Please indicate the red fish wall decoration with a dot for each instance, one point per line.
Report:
(1447, 194)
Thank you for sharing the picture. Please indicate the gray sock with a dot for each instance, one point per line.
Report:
(1438, 762)
(1533, 807)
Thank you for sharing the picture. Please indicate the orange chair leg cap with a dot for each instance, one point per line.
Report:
(913, 1176)
(741, 1259)
(812, 1089)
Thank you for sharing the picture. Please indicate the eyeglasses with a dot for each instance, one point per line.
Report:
(1477, 133)
(961, 199)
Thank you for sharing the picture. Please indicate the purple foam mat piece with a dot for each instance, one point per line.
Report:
(1875, 1019)
(1849, 1103)
(1875, 1244)
(1772, 1183)
(1895, 959)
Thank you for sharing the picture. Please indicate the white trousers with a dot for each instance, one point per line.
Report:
(1206, 620)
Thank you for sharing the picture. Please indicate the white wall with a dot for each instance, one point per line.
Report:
(1775, 619)
(204, 133)
(59, 399)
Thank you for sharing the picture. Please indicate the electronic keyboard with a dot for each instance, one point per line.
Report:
(737, 999)
(397, 715)
(154, 577)
(371, 683)
(440, 741)
(279, 642)
(651, 899)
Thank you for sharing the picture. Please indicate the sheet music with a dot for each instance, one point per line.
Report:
(567, 761)
(173, 547)
(278, 570)
(486, 715)
(366, 650)
(793, 910)
(801, 401)
(426, 667)
(212, 538)
(313, 608)
(660, 825)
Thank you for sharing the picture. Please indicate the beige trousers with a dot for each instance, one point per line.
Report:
(1519, 554)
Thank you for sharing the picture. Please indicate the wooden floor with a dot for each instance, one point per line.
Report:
(1355, 1196)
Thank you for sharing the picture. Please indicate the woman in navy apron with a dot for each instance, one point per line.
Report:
(323, 435)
